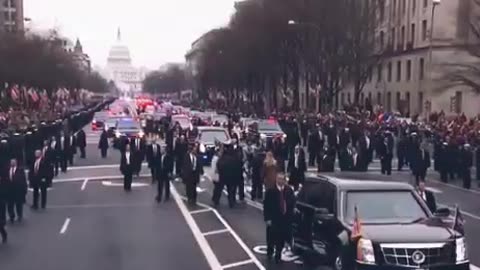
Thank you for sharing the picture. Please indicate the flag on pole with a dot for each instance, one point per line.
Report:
(357, 226)
(458, 221)
(15, 93)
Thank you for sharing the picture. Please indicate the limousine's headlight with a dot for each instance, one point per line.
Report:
(461, 250)
(365, 252)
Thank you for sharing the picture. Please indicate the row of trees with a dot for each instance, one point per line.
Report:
(42, 62)
(171, 79)
(269, 45)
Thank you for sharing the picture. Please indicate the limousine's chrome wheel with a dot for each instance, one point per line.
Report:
(338, 263)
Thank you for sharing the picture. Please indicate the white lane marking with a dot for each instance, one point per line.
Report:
(84, 185)
(232, 265)
(200, 190)
(462, 211)
(110, 205)
(112, 184)
(200, 211)
(473, 267)
(105, 166)
(201, 240)
(215, 232)
(95, 178)
(65, 226)
(237, 238)
(456, 187)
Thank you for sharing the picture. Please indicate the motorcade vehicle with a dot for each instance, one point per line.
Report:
(267, 129)
(397, 229)
(208, 137)
(127, 128)
(110, 125)
(99, 119)
(220, 118)
(183, 120)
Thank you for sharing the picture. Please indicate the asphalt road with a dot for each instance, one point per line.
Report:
(91, 223)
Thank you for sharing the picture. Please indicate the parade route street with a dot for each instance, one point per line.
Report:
(102, 227)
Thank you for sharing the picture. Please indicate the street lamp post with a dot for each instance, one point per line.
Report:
(435, 3)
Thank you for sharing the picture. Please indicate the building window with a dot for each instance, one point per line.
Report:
(6, 16)
(399, 100)
(422, 68)
(381, 4)
(342, 99)
(399, 71)
(393, 36)
(362, 98)
(349, 98)
(394, 8)
(407, 97)
(370, 74)
(402, 36)
(409, 70)
(389, 72)
(379, 98)
(424, 30)
(414, 5)
(404, 7)
(389, 101)
(370, 97)
(425, 3)
(382, 40)
(412, 34)
(379, 72)
(420, 102)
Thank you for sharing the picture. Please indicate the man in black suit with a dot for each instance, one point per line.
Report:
(164, 170)
(191, 171)
(55, 154)
(15, 183)
(3, 214)
(63, 145)
(137, 146)
(420, 163)
(297, 167)
(427, 196)
(103, 144)
(81, 142)
(127, 167)
(37, 179)
(278, 214)
(154, 158)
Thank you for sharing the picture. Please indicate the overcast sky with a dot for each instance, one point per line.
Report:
(156, 31)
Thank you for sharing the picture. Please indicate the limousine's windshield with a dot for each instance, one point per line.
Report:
(383, 207)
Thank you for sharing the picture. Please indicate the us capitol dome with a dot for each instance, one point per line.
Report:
(120, 69)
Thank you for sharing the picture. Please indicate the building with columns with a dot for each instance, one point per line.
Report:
(119, 68)
(412, 77)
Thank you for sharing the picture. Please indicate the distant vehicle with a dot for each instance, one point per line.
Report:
(127, 128)
(207, 138)
(99, 119)
(220, 118)
(183, 120)
(396, 231)
(110, 125)
(269, 129)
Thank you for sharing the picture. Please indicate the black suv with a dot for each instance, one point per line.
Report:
(398, 230)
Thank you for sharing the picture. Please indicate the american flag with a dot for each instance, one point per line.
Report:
(15, 93)
(357, 226)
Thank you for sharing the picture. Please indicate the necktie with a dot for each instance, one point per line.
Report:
(283, 203)
(127, 157)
